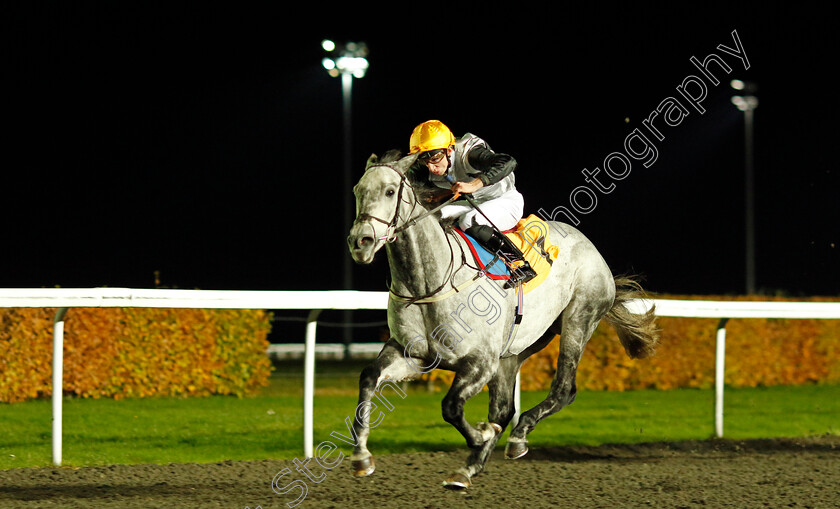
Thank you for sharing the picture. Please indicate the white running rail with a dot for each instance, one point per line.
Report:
(64, 298)
(317, 301)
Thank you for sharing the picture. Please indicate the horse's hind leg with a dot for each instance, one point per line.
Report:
(390, 364)
(578, 324)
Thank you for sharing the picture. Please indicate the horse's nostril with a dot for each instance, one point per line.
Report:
(363, 241)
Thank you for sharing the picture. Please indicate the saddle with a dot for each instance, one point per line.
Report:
(530, 235)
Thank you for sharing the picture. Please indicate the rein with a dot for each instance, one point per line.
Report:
(393, 229)
(391, 236)
(433, 296)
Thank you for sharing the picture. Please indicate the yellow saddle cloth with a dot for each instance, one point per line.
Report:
(530, 235)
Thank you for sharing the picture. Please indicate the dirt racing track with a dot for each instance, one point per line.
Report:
(718, 473)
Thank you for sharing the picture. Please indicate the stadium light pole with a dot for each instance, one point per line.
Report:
(748, 103)
(348, 61)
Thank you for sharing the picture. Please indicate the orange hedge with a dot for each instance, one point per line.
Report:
(135, 352)
(759, 352)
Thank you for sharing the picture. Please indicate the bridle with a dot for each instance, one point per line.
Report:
(391, 226)
(391, 236)
(392, 229)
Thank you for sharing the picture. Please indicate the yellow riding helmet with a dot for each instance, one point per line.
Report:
(430, 135)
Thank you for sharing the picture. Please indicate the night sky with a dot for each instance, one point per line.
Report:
(206, 144)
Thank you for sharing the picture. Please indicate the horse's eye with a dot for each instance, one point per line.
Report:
(389, 193)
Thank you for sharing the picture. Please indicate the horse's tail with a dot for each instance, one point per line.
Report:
(638, 333)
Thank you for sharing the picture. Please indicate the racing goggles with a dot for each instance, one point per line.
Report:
(433, 156)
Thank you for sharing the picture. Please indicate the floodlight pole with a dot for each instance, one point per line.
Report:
(749, 199)
(348, 61)
(748, 104)
(346, 94)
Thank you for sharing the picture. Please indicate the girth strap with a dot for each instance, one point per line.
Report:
(436, 298)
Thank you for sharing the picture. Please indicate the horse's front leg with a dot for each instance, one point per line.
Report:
(390, 365)
(473, 375)
(502, 387)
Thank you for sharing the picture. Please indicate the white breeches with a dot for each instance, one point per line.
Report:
(504, 211)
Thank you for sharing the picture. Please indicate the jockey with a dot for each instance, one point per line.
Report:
(468, 166)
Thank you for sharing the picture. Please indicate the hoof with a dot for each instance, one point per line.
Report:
(515, 450)
(457, 481)
(363, 468)
(488, 430)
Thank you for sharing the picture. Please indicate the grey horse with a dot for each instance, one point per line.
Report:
(445, 313)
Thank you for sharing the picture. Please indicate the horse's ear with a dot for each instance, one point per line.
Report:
(373, 159)
(405, 163)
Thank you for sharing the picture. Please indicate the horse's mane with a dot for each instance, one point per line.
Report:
(391, 156)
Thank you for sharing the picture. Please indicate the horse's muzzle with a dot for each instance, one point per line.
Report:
(362, 243)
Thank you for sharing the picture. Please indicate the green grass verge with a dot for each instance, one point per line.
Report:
(169, 430)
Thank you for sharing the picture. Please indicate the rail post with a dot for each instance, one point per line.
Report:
(57, 383)
(309, 383)
(720, 355)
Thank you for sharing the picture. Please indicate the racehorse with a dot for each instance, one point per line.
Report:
(442, 314)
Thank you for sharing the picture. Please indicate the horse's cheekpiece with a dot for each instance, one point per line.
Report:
(530, 235)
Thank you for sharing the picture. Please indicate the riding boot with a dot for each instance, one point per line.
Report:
(497, 242)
